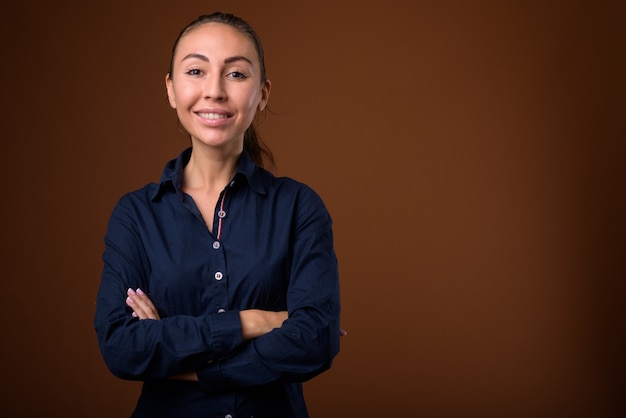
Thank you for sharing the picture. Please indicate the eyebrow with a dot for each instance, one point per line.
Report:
(237, 58)
(228, 60)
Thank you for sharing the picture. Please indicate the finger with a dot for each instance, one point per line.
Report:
(146, 301)
(147, 305)
(131, 302)
(139, 308)
(141, 305)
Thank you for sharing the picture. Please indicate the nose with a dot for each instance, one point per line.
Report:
(214, 88)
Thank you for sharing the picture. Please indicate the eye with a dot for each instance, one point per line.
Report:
(236, 74)
(194, 71)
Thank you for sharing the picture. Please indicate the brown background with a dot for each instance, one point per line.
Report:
(471, 153)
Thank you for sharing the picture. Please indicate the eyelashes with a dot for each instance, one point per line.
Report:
(194, 72)
(197, 72)
(236, 75)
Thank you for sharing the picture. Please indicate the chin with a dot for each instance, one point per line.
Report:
(218, 142)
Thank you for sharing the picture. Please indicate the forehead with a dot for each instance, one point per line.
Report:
(218, 40)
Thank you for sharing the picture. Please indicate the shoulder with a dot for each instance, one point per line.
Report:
(136, 201)
(143, 194)
(289, 187)
(306, 203)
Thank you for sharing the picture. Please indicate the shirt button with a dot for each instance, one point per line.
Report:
(221, 214)
(221, 310)
(216, 245)
(219, 275)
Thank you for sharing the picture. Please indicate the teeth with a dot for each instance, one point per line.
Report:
(212, 116)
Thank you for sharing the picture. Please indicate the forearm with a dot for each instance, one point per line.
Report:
(256, 322)
(301, 349)
(139, 350)
(136, 349)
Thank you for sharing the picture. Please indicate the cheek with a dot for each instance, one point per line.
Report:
(253, 101)
(185, 93)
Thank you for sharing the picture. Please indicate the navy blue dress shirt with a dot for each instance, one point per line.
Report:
(271, 248)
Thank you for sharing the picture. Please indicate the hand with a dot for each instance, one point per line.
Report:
(257, 322)
(142, 306)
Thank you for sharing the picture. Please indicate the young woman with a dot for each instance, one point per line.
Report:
(220, 286)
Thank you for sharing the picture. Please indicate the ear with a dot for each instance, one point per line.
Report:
(169, 86)
(265, 94)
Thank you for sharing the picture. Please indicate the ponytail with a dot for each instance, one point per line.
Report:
(258, 151)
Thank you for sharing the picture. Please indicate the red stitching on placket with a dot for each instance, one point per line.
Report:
(219, 222)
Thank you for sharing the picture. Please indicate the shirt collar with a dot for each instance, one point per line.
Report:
(247, 170)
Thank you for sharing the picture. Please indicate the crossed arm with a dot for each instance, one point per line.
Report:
(254, 322)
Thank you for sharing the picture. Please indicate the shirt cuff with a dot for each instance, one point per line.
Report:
(225, 332)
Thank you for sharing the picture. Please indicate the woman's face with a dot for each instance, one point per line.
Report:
(215, 85)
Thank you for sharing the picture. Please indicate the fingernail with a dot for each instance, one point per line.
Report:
(131, 291)
(134, 314)
(140, 291)
(130, 300)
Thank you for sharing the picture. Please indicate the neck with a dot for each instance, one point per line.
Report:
(208, 170)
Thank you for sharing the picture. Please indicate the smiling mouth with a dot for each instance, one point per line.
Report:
(212, 116)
